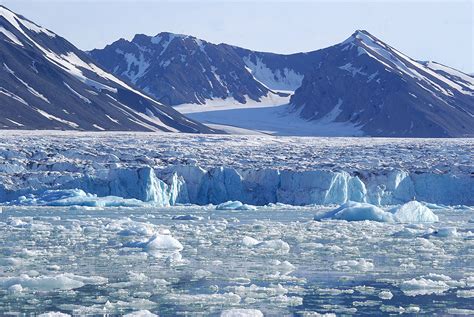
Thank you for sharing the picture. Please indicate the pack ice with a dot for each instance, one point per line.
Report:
(233, 172)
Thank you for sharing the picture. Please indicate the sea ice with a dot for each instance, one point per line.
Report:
(241, 312)
(423, 286)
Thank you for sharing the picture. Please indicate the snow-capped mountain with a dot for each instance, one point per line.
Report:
(178, 69)
(47, 83)
(371, 86)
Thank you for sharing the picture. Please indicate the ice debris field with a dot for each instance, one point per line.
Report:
(155, 224)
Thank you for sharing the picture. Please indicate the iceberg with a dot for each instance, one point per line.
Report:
(411, 212)
(354, 211)
(75, 197)
(234, 205)
(414, 212)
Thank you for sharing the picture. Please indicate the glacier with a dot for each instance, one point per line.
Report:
(160, 171)
(196, 185)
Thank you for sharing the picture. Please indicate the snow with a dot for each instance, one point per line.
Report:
(30, 89)
(353, 70)
(51, 117)
(278, 79)
(271, 115)
(77, 94)
(7, 93)
(408, 66)
(140, 63)
(10, 36)
(465, 79)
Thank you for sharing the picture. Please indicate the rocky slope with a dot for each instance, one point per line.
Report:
(47, 83)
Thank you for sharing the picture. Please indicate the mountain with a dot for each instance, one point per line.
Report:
(371, 86)
(178, 69)
(47, 83)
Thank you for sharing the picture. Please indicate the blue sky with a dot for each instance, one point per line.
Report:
(426, 30)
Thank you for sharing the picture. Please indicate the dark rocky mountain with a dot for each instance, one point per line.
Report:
(47, 83)
(365, 83)
(178, 69)
(370, 87)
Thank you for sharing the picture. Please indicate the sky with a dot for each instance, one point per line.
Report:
(442, 31)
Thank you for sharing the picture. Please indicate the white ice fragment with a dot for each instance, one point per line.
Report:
(354, 265)
(276, 245)
(354, 211)
(385, 295)
(467, 293)
(141, 313)
(414, 212)
(241, 312)
(249, 241)
(163, 242)
(447, 232)
(235, 205)
(423, 286)
(54, 314)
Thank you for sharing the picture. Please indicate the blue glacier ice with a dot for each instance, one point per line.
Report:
(411, 212)
(354, 211)
(186, 184)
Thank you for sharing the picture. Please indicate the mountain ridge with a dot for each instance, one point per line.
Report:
(47, 83)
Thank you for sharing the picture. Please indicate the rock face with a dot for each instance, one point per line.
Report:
(47, 83)
(178, 69)
(372, 86)
(364, 83)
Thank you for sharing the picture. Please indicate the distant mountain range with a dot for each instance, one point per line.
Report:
(47, 83)
(362, 82)
(178, 69)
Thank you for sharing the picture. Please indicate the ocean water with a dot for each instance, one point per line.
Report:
(190, 260)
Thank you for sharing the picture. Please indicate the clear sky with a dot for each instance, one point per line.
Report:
(426, 30)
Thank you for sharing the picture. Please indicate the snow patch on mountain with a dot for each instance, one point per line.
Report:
(279, 79)
(10, 36)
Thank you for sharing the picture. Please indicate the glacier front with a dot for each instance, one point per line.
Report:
(51, 168)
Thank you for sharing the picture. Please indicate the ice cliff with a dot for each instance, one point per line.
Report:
(195, 185)
(162, 170)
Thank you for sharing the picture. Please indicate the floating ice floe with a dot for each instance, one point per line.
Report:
(187, 217)
(75, 197)
(277, 246)
(241, 312)
(235, 205)
(354, 211)
(163, 242)
(429, 284)
(141, 313)
(411, 212)
(354, 265)
(54, 314)
(65, 281)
